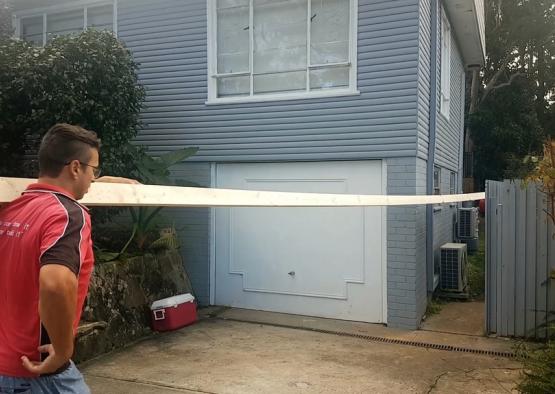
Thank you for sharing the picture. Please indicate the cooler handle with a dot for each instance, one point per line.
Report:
(159, 314)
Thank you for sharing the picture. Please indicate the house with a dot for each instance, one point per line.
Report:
(331, 96)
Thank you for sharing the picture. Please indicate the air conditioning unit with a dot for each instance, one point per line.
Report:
(467, 223)
(453, 267)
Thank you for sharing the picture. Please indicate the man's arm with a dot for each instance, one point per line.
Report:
(57, 305)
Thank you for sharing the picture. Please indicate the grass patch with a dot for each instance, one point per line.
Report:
(477, 268)
(434, 306)
(539, 370)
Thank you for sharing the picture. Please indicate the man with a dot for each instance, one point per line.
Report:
(46, 261)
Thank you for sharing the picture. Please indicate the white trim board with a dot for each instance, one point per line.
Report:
(119, 195)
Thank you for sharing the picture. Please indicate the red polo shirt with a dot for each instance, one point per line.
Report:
(43, 226)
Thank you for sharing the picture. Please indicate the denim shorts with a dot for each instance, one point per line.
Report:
(70, 381)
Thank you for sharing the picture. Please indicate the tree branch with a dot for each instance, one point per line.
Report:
(487, 91)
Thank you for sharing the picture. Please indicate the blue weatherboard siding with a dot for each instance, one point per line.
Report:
(193, 229)
(449, 131)
(424, 80)
(448, 150)
(168, 38)
(389, 119)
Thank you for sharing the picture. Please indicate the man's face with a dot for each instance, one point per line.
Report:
(86, 175)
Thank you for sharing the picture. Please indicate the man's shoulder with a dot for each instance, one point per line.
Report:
(48, 207)
(72, 209)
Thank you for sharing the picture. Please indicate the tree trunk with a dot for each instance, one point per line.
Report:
(468, 184)
(541, 92)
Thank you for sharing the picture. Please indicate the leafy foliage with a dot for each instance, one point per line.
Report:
(16, 62)
(544, 173)
(505, 130)
(89, 79)
(539, 365)
(477, 270)
(144, 219)
(6, 28)
(514, 109)
(539, 371)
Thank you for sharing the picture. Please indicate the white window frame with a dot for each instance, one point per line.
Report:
(452, 182)
(437, 182)
(445, 86)
(213, 75)
(76, 5)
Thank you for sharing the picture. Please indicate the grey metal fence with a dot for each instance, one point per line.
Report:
(520, 255)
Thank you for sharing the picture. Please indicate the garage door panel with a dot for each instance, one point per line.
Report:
(313, 261)
(289, 262)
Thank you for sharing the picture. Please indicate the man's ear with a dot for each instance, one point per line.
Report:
(74, 166)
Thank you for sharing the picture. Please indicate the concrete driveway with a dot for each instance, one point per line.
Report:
(258, 352)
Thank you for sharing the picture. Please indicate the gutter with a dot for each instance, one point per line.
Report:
(431, 148)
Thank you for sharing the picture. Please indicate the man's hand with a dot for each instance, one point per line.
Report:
(50, 364)
(117, 179)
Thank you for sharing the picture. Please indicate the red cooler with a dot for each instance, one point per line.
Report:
(173, 312)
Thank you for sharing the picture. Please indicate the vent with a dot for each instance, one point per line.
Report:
(467, 223)
(452, 269)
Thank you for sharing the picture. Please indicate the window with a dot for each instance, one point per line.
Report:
(437, 180)
(40, 27)
(452, 183)
(271, 49)
(445, 65)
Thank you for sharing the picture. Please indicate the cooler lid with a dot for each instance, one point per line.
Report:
(172, 301)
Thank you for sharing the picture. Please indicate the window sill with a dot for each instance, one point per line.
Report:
(283, 97)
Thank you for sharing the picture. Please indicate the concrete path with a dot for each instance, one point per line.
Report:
(458, 317)
(229, 356)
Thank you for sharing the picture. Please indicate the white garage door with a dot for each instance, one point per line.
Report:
(327, 262)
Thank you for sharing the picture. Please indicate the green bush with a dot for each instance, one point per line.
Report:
(539, 371)
(477, 270)
(16, 62)
(6, 28)
(87, 79)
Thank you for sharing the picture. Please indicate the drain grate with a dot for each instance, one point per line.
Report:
(372, 338)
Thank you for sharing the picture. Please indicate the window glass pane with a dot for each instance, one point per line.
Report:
(233, 36)
(31, 29)
(437, 180)
(64, 23)
(279, 38)
(282, 82)
(101, 18)
(329, 31)
(326, 78)
(233, 86)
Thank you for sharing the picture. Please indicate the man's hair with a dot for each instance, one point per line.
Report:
(62, 144)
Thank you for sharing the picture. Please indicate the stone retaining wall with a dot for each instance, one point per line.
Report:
(117, 310)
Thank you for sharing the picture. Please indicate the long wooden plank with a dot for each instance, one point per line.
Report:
(112, 194)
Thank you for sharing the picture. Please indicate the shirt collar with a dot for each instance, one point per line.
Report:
(48, 188)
